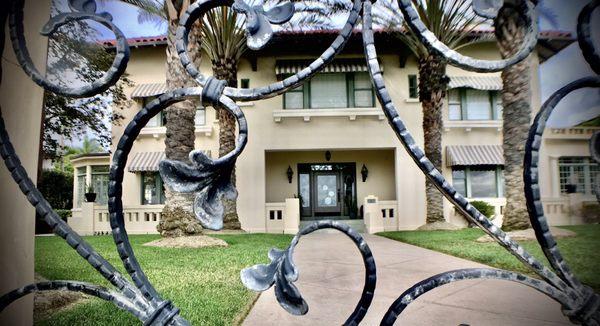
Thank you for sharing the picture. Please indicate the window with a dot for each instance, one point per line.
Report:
(100, 176)
(158, 120)
(479, 181)
(363, 91)
(245, 83)
(328, 91)
(153, 190)
(304, 184)
(413, 86)
(473, 104)
(81, 176)
(294, 98)
(200, 119)
(332, 90)
(577, 174)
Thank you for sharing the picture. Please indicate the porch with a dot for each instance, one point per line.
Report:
(311, 185)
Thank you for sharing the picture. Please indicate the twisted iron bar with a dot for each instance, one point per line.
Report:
(210, 179)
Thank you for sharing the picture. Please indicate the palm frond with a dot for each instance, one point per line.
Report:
(451, 21)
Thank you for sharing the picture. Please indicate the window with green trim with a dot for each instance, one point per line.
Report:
(100, 176)
(577, 174)
(332, 90)
(474, 104)
(245, 83)
(413, 87)
(153, 190)
(81, 180)
(479, 181)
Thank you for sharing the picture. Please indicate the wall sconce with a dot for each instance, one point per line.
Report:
(364, 172)
(290, 174)
(328, 156)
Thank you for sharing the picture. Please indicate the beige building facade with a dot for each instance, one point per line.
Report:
(325, 150)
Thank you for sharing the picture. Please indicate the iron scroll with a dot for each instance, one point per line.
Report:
(210, 179)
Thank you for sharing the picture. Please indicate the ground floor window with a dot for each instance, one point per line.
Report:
(577, 174)
(81, 184)
(479, 181)
(153, 190)
(100, 176)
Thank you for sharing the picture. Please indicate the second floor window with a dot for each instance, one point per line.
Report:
(81, 184)
(332, 90)
(577, 174)
(473, 104)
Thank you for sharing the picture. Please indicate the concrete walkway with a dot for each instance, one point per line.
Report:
(332, 275)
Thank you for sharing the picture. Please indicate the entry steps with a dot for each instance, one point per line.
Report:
(357, 225)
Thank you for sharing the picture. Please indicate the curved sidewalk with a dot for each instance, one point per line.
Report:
(332, 275)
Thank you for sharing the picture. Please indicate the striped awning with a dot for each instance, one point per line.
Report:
(149, 90)
(148, 161)
(288, 67)
(465, 155)
(484, 83)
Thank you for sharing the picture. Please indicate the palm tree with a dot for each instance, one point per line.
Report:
(223, 38)
(452, 22)
(89, 145)
(177, 217)
(516, 115)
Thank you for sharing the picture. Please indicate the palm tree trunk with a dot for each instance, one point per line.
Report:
(178, 218)
(516, 102)
(226, 69)
(432, 91)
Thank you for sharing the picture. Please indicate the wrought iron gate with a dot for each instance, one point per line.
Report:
(210, 179)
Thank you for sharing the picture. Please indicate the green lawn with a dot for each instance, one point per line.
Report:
(203, 283)
(581, 252)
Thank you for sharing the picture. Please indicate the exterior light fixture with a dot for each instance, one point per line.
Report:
(328, 156)
(290, 174)
(364, 172)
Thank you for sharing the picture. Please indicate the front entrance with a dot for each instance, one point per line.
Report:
(327, 190)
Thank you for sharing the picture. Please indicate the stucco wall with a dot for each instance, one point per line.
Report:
(21, 102)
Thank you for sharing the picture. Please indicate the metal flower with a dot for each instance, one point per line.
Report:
(80, 9)
(487, 8)
(281, 272)
(258, 21)
(209, 180)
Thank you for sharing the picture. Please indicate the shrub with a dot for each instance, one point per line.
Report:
(57, 187)
(63, 213)
(486, 209)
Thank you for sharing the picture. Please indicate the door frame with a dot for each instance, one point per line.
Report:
(344, 169)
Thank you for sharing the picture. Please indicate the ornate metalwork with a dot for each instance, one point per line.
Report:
(211, 179)
(282, 271)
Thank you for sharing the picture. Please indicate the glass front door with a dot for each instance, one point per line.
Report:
(327, 192)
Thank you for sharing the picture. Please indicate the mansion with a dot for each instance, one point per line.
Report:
(325, 150)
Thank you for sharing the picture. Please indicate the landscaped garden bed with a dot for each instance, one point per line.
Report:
(580, 252)
(204, 283)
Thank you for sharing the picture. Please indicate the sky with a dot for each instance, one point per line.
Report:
(578, 107)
